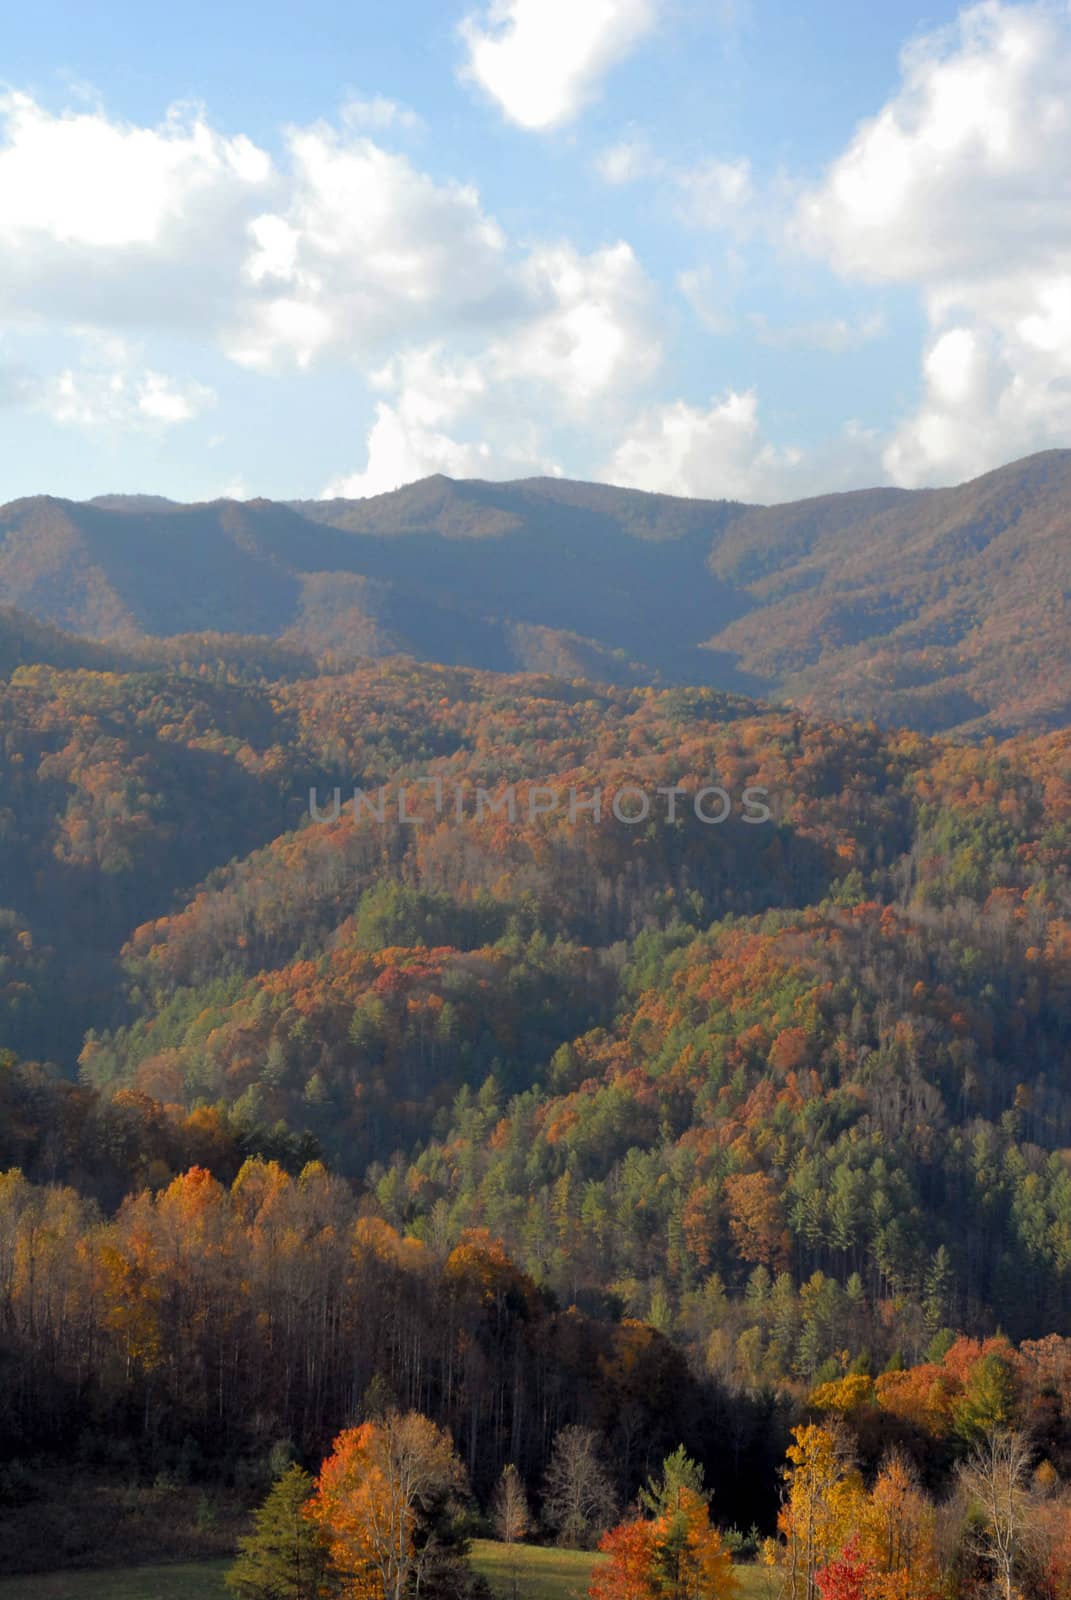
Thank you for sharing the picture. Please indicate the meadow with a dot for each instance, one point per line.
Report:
(543, 1573)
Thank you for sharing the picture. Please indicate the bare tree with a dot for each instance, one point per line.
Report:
(511, 1517)
(996, 1479)
(579, 1502)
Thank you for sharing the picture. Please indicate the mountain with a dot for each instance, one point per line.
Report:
(941, 609)
(684, 1132)
(24, 641)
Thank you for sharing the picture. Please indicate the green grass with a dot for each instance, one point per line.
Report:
(202, 1580)
(544, 1574)
(549, 1574)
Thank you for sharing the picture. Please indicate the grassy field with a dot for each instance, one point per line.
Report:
(544, 1574)
(548, 1574)
(199, 1581)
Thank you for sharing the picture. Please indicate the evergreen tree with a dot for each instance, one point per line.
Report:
(285, 1557)
(679, 1472)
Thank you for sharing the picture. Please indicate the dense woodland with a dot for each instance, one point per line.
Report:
(670, 1134)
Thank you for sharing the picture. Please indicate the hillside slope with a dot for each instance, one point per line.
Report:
(940, 609)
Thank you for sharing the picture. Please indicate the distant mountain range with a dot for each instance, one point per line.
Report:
(939, 609)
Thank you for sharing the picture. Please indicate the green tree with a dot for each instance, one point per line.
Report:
(679, 1472)
(285, 1557)
(988, 1403)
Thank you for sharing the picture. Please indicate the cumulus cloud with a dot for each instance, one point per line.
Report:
(542, 60)
(720, 452)
(400, 451)
(429, 393)
(366, 249)
(107, 224)
(961, 185)
(592, 332)
(343, 253)
(110, 226)
(578, 350)
(101, 398)
(717, 451)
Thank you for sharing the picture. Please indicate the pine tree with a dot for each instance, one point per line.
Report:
(679, 1472)
(285, 1557)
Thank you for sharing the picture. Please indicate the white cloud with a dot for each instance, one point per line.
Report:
(400, 452)
(582, 345)
(542, 60)
(366, 250)
(99, 397)
(429, 389)
(988, 398)
(715, 193)
(82, 180)
(967, 165)
(345, 253)
(592, 335)
(709, 299)
(717, 452)
(235, 489)
(962, 186)
(106, 224)
(376, 113)
(720, 452)
(627, 161)
(408, 438)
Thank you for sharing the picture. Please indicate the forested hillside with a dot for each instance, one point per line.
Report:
(936, 609)
(512, 1111)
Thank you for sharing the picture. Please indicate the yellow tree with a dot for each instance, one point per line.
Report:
(897, 1537)
(821, 1508)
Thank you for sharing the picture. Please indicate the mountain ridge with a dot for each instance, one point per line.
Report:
(943, 609)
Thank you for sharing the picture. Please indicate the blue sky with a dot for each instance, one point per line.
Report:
(717, 249)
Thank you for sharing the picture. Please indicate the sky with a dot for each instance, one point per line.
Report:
(720, 248)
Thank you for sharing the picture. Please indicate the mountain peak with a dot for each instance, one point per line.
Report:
(943, 609)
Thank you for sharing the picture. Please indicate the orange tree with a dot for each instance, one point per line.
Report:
(674, 1554)
(386, 1499)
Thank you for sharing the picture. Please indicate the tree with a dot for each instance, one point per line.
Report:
(677, 1555)
(987, 1406)
(385, 1498)
(821, 1508)
(846, 1577)
(996, 1479)
(691, 1560)
(578, 1497)
(628, 1573)
(285, 1557)
(511, 1517)
(898, 1536)
(679, 1472)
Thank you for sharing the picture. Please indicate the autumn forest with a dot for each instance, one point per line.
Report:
(697, 1192)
